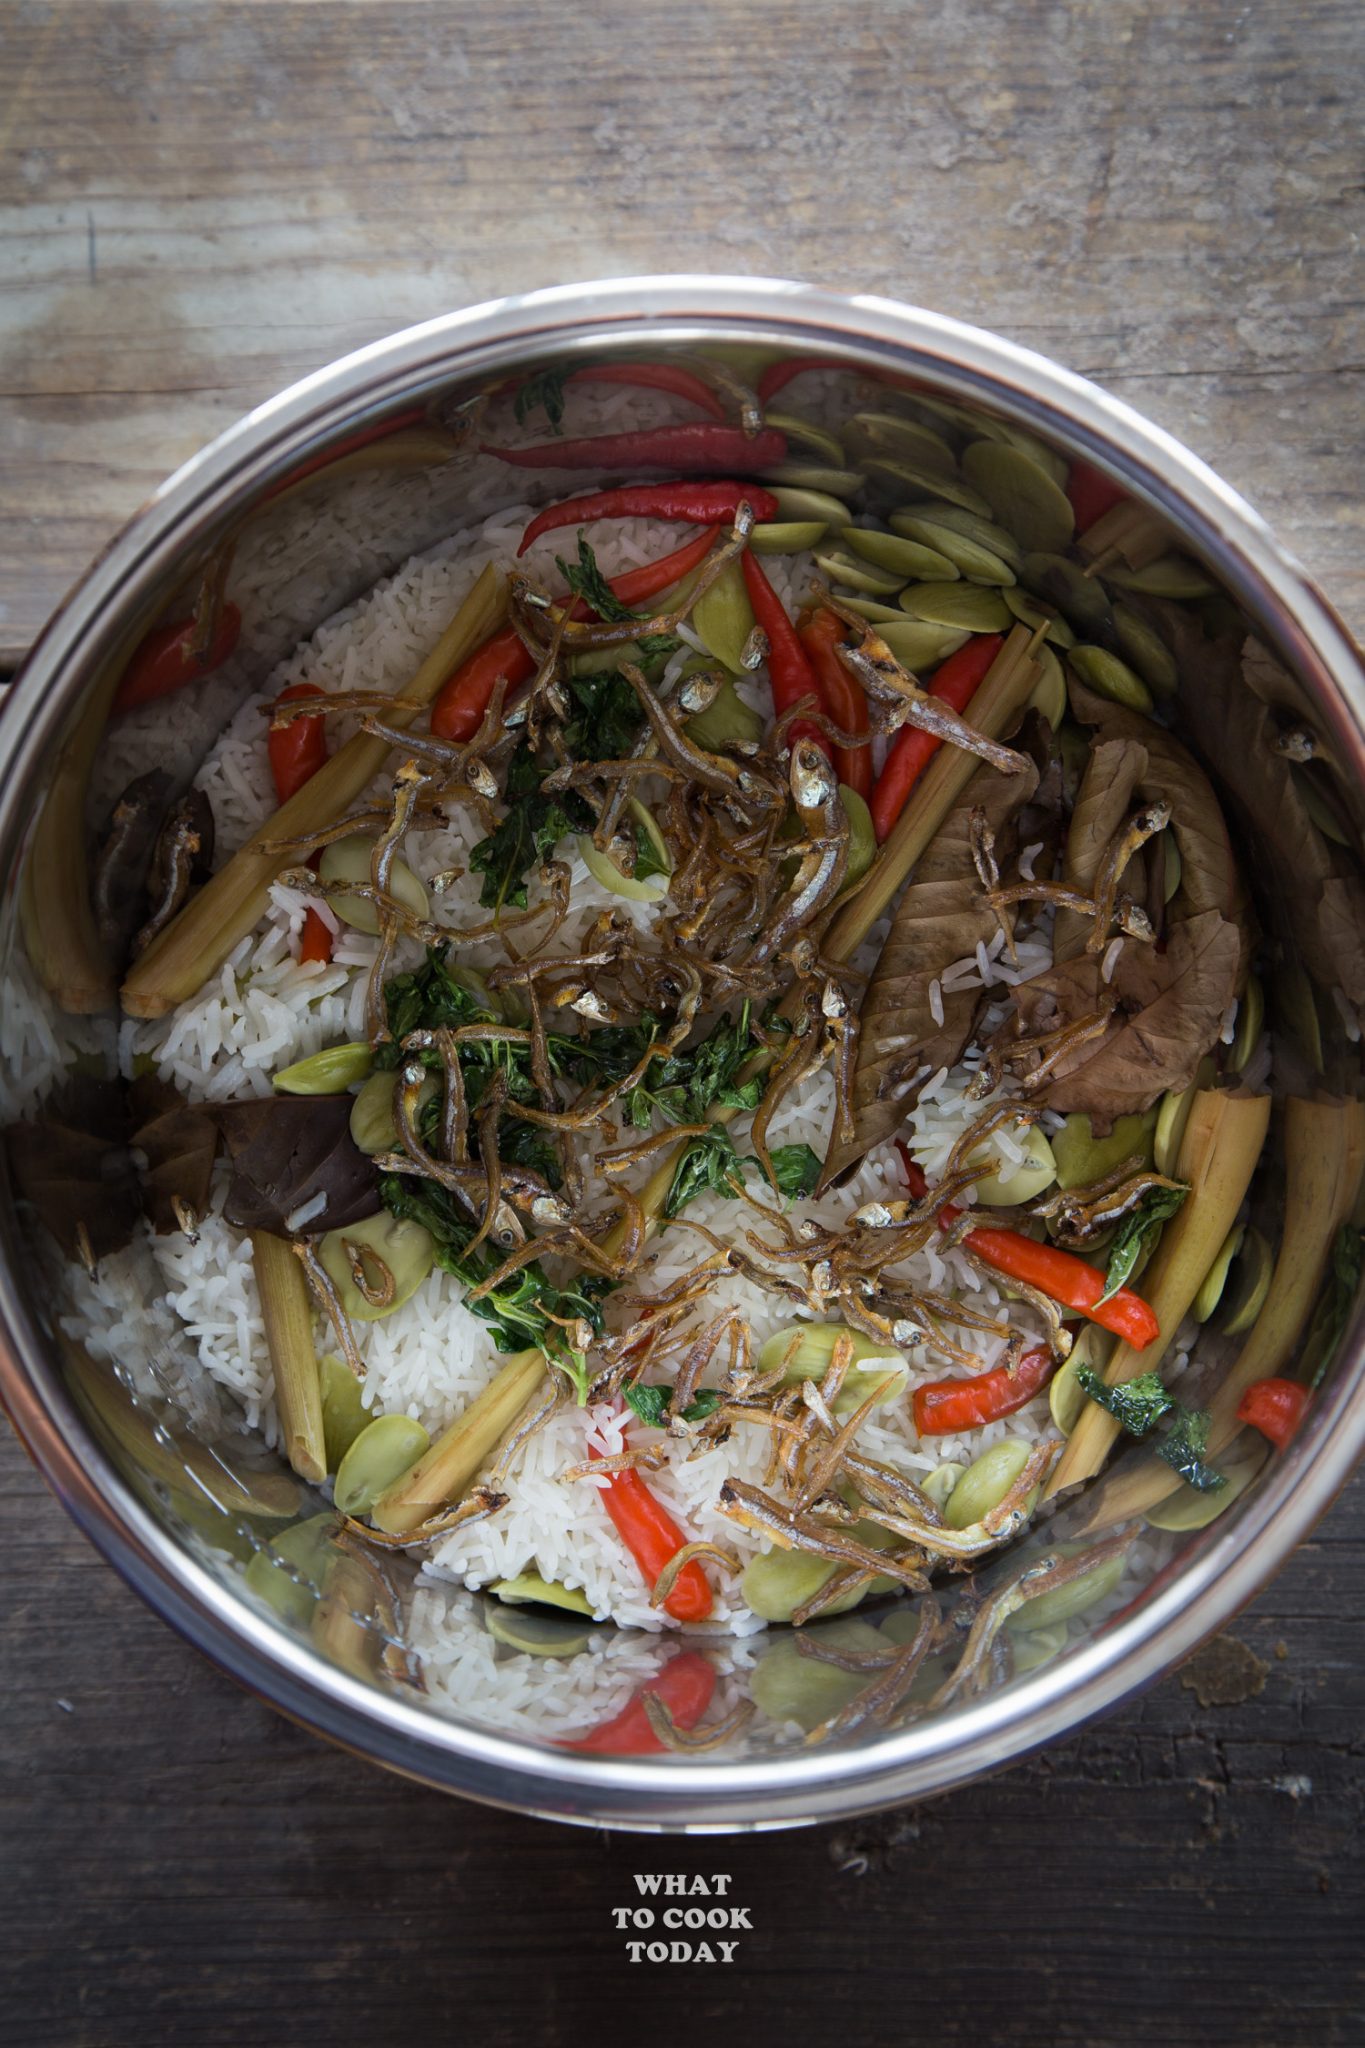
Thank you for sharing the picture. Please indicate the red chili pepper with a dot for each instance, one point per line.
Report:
(464, 695)
(164, 661)
(652, 1536)
(955, 681)
(842, 696)
(943, 1407)
(695, 444)
(1060, 1275)
(689, 503)
(685, 1686)
(297, 752)
(378, 431)
(778, 376)
(1275, 1407)
(1092, 494)
(789, 669)
(679, 383)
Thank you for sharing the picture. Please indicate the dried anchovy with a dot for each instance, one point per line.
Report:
(1125, 843)
(180, 848)
(877, 1702)
(529, 1426)
(1059, 1339)
(284, 714)
(753, 1509)
(693, 1741)
(997, 1526)
(475, 1507)
(1044, 1575)
(378, 1294)
(320, 1280)
(668, 1577)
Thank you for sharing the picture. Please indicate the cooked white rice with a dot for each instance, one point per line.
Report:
(264, 1010)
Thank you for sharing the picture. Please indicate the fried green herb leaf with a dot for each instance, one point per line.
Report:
(527, 834)
(585, 580)
(1137, 1233)
(651, 1404)
(522, 1311)
(1138, 1404)
(607, 719)
(796, 1170)
(1328, 1324)
(708, 1166)
(543, 392)
(1183, 1450)
(425, 1000)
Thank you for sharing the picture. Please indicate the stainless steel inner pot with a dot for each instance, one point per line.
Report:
(176, 1505)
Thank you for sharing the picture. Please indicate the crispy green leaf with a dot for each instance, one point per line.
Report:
(1138, 1404)
(585, 580)
(796, 1170)
(1138, 1233)
(651, 1404)
(528, 833)
(1183, 1450)
(708, 1166)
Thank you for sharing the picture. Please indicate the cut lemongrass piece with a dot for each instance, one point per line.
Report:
(287, 1313)
(442, 1474)
(195, 944)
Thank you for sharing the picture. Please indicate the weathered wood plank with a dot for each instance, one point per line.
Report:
(180, 1864)
(201, 203)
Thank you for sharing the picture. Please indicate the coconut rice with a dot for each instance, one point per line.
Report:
(264, 1010)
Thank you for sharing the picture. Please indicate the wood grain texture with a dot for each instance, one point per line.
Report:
(200, 202)
(180, 1865)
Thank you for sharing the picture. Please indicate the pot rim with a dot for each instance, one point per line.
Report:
(1219, 1573)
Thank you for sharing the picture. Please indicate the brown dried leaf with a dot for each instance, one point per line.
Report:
(1208, 872)
(1112, 775)
(1318, 885)
(180, 1140)
(1171, 1006)
(939, 919)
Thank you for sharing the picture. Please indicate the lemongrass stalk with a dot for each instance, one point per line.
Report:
(177, 1461)
(1003, 692)
(1218, 1155)
(442, 1473)
(58, 923)
(195, 944)
(1324, 1144)
(287, 1312)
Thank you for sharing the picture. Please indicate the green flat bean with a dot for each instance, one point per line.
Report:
(380, 1455)
(985, 1482)
(330, 1072)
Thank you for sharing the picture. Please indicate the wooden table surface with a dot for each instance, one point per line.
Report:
(202, 202)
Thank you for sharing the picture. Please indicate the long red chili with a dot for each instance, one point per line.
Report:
(464, 695)
(695, 444)
(789, 669)
(1275, 1407)
(165, 660)
(679, 383)
(1092, 494)
(297, 752)
(1060, 1275)
(652, 1537)
(942, 1407)
(955, 681)
(684, 1685)
(687, 502)
(843, 697)
(778, 376)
